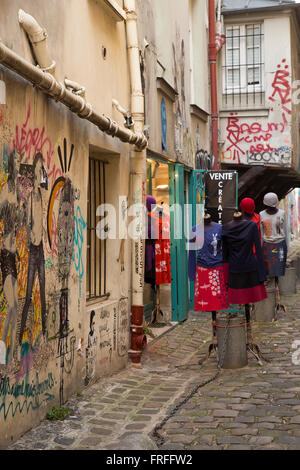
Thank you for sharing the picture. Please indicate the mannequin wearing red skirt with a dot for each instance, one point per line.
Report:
(246, 269)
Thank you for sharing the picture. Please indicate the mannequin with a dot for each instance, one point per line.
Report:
(205, 267)
(248, 208)
(158, 253)
(274, 230)
(246, 269)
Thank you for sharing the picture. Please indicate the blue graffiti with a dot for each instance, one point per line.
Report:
(80, 226)
(28, 395)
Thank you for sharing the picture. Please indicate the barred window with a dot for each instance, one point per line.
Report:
(96, 248)
(243, 66)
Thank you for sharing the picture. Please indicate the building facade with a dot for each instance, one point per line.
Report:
(72, 139)
(64, 318)
(258, 98)
(173, 38)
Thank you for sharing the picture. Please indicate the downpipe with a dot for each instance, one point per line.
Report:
(213, 84)
(138, 160)
(38, 39)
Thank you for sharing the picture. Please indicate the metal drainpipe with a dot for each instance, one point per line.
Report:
(47, 83)
(138, 172)
(38, 38)
(213, 83)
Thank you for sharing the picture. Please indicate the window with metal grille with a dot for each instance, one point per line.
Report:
(243, 66)
(96, 248)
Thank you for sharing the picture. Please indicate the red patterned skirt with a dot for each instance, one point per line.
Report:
(245, 288)
(210, 290)
(162, 262)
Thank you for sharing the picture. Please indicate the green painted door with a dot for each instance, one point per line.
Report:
(179, 286)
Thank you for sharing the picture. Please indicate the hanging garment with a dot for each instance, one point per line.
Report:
(210, 290)
(275, 255)
(246, 269)
(150, 253)
(273, 226)
(205, 268)
(274, 231)
(162, 249)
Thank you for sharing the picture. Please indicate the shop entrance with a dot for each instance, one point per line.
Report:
(166, 183)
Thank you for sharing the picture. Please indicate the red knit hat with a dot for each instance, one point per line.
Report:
(248, 205)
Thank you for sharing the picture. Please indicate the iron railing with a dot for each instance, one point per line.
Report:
(243, 66)
(96, 247)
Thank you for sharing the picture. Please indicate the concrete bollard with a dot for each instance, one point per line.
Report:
(236, 350)
(288, 282)
(297, 266)
(264, 311)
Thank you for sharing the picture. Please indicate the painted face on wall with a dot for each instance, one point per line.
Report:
(65, 230)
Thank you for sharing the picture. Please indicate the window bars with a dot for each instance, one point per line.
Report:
(96, 246)
(243, 66)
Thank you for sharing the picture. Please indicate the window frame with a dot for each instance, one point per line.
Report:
(243, 86)
(96, 249)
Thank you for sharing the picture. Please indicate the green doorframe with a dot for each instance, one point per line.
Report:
(180, 296)
(179, 254)
(196, 196)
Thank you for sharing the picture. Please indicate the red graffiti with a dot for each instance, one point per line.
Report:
(281, 87)
(256, 134)
(30, 141)
(54, 232)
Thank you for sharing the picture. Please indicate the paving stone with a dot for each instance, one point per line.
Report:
(230, 440)
(245, 419)
(261, 440)
(270, 419)
(234, 425)
(241, 394)
(148, 412)
(101, 431)
(244, 431)
(182, 439)
(239, 447)
(288, 440)
(295, 419)
(141, 418)
(114, 415)
(203, 419)
(265, 425)
(136, 426)
(90, 442)
(225, 413)
(65, 441)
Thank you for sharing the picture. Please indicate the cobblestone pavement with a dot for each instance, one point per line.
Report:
(257, 407)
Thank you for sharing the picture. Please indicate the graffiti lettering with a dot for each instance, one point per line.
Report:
(34, 394)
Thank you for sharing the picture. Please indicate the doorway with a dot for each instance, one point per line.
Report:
(167, 182)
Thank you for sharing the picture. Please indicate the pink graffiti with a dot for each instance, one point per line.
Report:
(30, 141)
(54, 230)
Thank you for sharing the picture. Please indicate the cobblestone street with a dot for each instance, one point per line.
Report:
(257, 407)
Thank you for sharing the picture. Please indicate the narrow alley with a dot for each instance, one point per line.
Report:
(253, 408)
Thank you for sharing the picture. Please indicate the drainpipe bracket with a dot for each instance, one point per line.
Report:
(49, 69)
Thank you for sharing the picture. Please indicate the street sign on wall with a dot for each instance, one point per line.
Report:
(221, 194)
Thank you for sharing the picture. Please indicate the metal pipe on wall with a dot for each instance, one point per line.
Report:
(49, 85)
(38, 39)
(213, 83)
(138, 172)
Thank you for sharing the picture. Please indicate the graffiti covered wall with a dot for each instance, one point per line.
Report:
(262, 134)
(49, 345)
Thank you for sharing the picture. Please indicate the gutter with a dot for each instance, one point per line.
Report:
(292, 6)
(56, 90)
